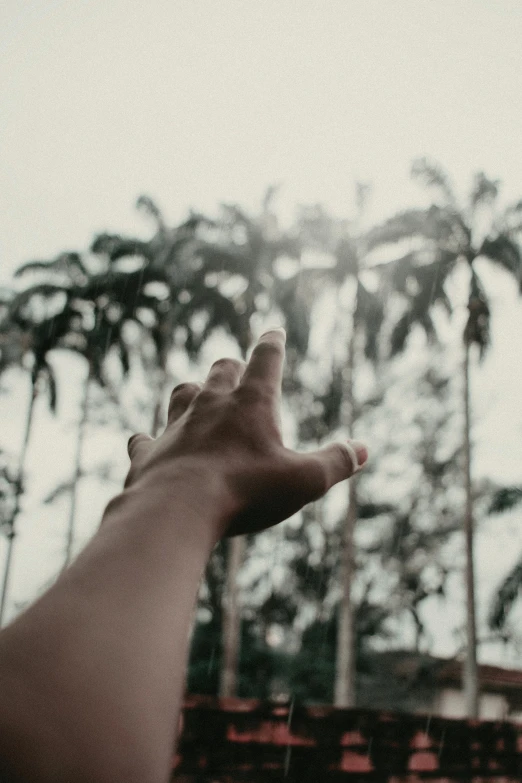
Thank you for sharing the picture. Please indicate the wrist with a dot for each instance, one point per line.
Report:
(187, 497)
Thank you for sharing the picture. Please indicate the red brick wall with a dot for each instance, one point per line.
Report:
(233, 740)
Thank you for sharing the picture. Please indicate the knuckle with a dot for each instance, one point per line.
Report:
(185, 388)
(228, 364)
(130, 443)
(269, 348)
(206, 397)
(345, 457)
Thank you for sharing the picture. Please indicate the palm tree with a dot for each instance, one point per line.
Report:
(443, 238)
(23, 332)
(363, 325)
(90, 324)
(251, 247)
(172, 259)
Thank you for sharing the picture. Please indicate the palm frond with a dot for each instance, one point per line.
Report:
(65, 488)
(370, 510)
(400, 334)
(115, 247)
(69, 263)
(124, 355)
(147, 205)
(44, 290)
(269, 196)
(505, 597)
(404, 225)
(506, 252)
(433, 175)
(52, 387)
(220, 258)
(484, 190)
(505, 499)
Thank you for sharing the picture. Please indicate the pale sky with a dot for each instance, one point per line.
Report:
(195, 102)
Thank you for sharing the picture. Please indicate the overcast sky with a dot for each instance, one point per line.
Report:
(196, 102)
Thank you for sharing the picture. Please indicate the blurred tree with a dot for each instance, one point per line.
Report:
(34, 323)
(360, 326)
(224, 271)
(441, 238)
(254, 247)
(90, 324)
(174, 264)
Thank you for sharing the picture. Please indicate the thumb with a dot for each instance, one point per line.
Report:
(135, 443)
(339, 461)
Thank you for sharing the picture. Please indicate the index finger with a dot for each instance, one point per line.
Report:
(266, 362)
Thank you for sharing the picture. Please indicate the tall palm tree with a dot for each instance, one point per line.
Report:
(251, 247)
(90, 323)
(362, 326)
(192, 269)
(441, 239)
(24, 331)
(172, 259)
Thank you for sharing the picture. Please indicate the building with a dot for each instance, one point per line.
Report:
(416, 683)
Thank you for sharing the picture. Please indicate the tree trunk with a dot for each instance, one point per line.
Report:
(231, 618)
(470, 669)
(157, 417)
(77, 470)
(16, 509)
(345, 658)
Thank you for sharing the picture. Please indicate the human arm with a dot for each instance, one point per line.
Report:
(92, 675)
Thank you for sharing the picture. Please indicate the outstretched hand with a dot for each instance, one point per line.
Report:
(226, 435)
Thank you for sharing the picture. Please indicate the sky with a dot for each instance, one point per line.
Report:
(197, 102)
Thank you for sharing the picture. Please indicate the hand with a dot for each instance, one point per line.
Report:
(226, 435)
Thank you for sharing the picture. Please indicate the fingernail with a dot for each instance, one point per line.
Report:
(361, 452)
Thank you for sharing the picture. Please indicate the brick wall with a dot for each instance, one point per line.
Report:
(233, 740)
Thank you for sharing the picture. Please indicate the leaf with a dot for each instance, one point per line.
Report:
(400, 334)
(505, 252)
(484, 190)
(432, 175)
(65, 488)
(124, 356)
(371, 510)
(70, 263)
(116, 247)
(505, 598)
(404, 225)
(505, 499)
(51, 385)
(147, 205)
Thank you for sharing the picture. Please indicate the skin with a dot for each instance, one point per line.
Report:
(92, 674)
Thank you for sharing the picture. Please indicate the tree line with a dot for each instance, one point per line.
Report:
(139, 302)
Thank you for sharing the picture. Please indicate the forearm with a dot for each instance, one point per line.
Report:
(92, 675)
